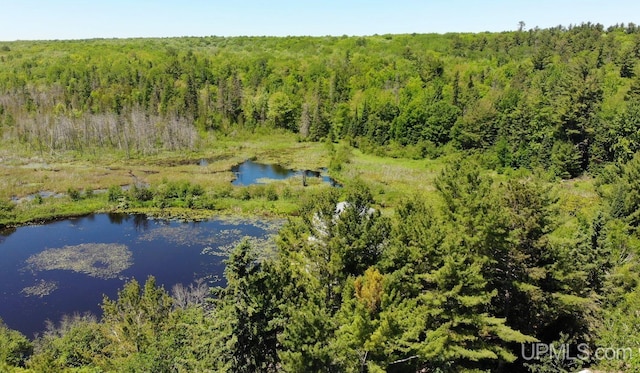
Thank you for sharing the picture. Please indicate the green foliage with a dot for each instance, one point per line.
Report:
(339, 157)
(74, 194)
(271, 193)
(75, 343)
(114, 193)
(625, 199)
(453, 280)
(143, 96)
(248, 313)
(624, 136)
(15, 348)
(566, 160)
(6, 210)
(136, 326)
(140, 193)
(281, 111)
(38, 199)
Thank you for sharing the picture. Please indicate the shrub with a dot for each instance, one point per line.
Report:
(341, 156)
(114, 194)
(74, 194)
(196, 190)
(14, 347)
(287, 193)
(141, 194)
(88, 193)
(244, 194)
(6, 209)
(271, 193)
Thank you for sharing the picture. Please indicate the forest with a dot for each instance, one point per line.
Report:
(513, 223)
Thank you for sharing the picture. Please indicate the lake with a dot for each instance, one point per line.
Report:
(250, 172)
(65, 267)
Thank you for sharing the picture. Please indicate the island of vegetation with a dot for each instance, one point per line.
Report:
(492, 184)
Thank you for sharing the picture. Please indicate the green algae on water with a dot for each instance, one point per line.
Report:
(101, 260)
(40, 289)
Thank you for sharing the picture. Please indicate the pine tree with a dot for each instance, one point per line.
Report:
(247, 308)
(459, 333)
(135, 325)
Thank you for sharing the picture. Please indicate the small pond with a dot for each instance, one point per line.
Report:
(250, 172)
(65, 267)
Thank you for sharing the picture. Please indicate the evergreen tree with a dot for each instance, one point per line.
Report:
(247, 309)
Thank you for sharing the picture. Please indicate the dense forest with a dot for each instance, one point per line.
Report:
(561, 98)
(466, 278)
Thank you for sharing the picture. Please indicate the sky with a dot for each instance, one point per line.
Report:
(87, 19)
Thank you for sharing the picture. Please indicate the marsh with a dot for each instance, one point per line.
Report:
(67, 266)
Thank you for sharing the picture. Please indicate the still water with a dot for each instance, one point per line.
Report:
(250, 172)
(65, 267)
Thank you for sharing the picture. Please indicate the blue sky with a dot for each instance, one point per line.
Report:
(83, 19)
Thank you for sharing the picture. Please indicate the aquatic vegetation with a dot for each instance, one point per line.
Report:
(267, 245)
(189, 235)
(40, 289)
(100, 260)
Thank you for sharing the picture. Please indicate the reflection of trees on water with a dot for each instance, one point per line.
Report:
(117, 218)
(140, 221)
(6, 232)
(281, 171)
(250, 172)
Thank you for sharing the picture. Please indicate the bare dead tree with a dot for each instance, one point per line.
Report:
(193, 295)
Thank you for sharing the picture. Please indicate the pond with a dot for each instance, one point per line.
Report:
(250, 172)
(65, 267)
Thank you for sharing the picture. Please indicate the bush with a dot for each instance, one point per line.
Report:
(341, 156)
(14, 347)
(287, 193)
(140, 194)
(243, 194)
(6, 206)
(257, 191)
(196, 190)
(223, 191)
(114, 194)
(74, 194)
(88, 193)
(271, 193)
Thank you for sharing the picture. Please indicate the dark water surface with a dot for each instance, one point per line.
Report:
(171, 251)
(250, 172)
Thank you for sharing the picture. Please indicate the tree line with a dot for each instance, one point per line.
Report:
(562, 98)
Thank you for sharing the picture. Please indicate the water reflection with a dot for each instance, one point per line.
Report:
(6, 232)
(45, 270)
(250, 172)
(140, 221)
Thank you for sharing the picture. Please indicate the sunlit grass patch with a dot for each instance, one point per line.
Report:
(393, 179)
